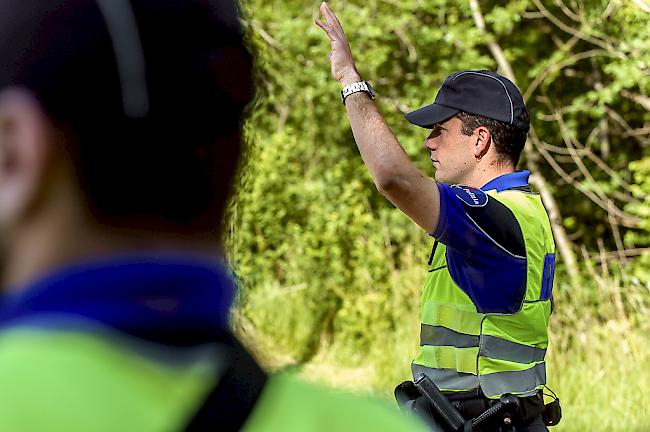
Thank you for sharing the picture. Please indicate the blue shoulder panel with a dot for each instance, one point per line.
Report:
(486, 255)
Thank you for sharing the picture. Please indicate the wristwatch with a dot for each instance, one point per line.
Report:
(361, 86)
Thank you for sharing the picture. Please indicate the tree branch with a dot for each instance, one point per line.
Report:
(561, 65)
(644, 101)
(576, 32)
(627, 220)
(567, 11)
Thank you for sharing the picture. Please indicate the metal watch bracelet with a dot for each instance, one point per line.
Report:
(361, 86)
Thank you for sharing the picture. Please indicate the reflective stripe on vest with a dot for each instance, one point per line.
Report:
(502, 349)
(462, 349)
(447, 379)
(442, 336)
(490, 346)
(521, 383)
(515, 382)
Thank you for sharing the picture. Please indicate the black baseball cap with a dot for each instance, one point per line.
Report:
(479, 92)
(107, 64)
(148, 95)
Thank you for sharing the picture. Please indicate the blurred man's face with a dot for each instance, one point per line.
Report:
(3, 258)
(8, 166)
(25, 137)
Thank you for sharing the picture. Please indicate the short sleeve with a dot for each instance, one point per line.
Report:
(486, 253)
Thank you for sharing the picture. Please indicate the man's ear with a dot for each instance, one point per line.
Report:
(483, 142)
(25, 148)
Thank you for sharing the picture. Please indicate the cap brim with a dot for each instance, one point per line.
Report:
(429, 115)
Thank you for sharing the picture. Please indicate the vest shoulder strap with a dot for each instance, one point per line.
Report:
(234, 397)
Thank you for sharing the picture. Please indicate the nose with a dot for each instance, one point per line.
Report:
(430, 143)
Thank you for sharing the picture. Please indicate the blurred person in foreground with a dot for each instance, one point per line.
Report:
(120, 134)
(487, 301)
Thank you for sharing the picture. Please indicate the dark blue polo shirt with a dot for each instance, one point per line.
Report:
(178, 301)
(486, 254)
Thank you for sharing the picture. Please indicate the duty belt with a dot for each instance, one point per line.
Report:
(473, 406)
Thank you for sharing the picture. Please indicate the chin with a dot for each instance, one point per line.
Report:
(439, 177)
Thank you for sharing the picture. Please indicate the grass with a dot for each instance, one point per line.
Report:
(597, 361)
(602, 379)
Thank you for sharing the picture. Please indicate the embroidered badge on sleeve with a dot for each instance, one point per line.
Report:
(470, 196)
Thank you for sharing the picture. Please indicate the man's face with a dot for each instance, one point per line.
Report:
(451, 152)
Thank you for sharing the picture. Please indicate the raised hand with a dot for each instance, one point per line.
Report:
(343, 67)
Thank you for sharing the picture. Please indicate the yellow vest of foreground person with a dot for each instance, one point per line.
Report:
(463, 349)
(141, 343)
(75, 381)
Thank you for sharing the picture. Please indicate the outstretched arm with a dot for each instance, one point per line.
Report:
(395, 176)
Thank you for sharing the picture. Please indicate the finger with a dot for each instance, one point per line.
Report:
(331, 16)
(327, 13)
(328, 30)
(333, 20)
(323, 25)
(323, 9)
(323, 12)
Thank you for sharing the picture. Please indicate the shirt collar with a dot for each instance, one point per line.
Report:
(179, 301)
(508, 181)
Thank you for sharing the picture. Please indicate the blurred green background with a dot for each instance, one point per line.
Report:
(330, 272)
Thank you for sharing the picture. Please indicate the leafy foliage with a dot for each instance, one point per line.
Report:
(328, 268)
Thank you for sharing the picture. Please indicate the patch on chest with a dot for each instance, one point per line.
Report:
(470, 196)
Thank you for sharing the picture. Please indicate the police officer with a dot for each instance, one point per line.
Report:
(487, 301)
(120, 133)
